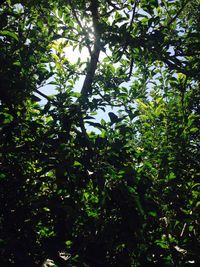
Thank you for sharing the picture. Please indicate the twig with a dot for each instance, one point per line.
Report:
(109, 102)
(183, 230)
(87, 85)
(131, 67)
(45, 96)
(130, 28)
(176, 16)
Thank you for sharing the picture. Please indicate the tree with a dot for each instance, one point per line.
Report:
(125, 193)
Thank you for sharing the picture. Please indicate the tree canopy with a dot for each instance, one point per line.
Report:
(82, 189)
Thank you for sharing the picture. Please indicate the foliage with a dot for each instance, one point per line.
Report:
(125, 193)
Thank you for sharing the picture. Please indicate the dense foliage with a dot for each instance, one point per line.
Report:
(84, 191)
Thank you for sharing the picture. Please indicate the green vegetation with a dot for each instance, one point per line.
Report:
(125, 193)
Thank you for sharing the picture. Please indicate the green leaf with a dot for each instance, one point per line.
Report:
(171, 176)
(60, 13)
(152, 213)
(68, 243)
(2, 176)
(10, 34)
(194, 130)
(77, 164)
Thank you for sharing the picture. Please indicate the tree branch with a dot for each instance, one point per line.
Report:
(45, 96)
(176, 16)
(129, 32)
(87, 85)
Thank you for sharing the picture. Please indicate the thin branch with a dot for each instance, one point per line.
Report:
(109, 12)
(114, 8)
(176, 16)
(111, 103)
(45, 96)
(133, 16)
(130, 29)
(131, 67)
(87, 85)
(131, 26)
(59, 36)
(183, 229)
(113, 5)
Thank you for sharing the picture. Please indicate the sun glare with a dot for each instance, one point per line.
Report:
(74, 54)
